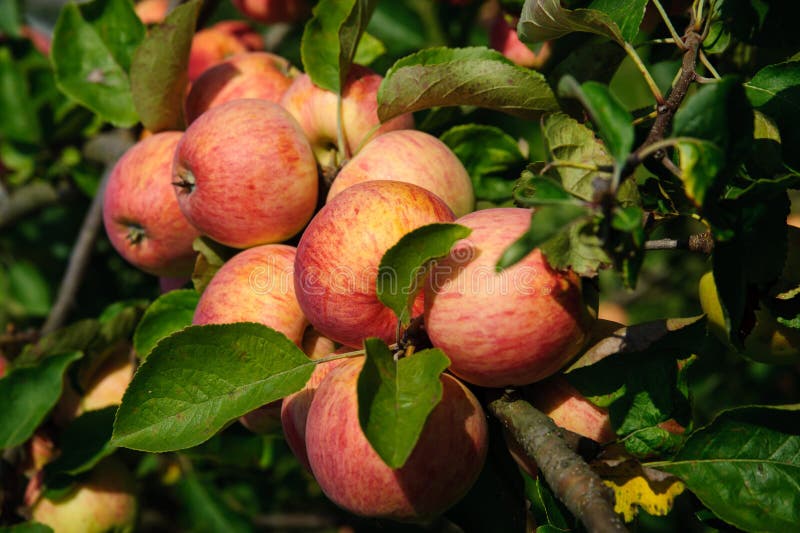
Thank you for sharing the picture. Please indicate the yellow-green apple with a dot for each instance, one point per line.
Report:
(140, 212)
(294, 410)
(315, 110)
(152, 11)
(444, 464)
(245, 175)
(340, 251)
(255, 285)
(316, 345)
(248, 75)
(213, 45)
(414, 157)
(768, 341)
(273, 11)
(503, 37)
(503, 328)
(105, 501)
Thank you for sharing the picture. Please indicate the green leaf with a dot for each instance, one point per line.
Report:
(202, 377)
(701, 163)
(634, 373)
(533, 190)
(652, 441)
(547, 510)
(20, 122)
(545, 20)
(369, 49)
(170, 312)
(28, 394)
(614, 123)
(87, 67)
(331, 38)
(74, 337)
(463, 76)
(159, 74)
(207, 507)
(546, 222)
(211, 255)
(492, 158)
(745, 467)
(578, 247)
(404, 264)
(775, 91)
(117, 24)
(759, 22)
(396, 397)
(626, 15)
(27, 527)
(83, 444)
(10, 18)
(29, 289)
(568, 140)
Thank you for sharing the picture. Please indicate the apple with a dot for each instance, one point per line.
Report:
(245, 175)
(340, 251)
(445, 463)
(248, 75)
(316, 345)
(273, 11)
(140, 212)
(294, 411)
(255, 285)
(152, 11)
(767, 342)
(105, 501)
(315, 110)
(170, 284)
(40, 39)
(503, 37)
(213, 45)
(509, 328)
(613, 312)
(3, 366)
(413, 157)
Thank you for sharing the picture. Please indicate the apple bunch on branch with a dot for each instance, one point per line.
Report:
(408, 307)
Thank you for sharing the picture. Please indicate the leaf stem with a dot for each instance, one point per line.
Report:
(345, 355)
(650, 116)
(708, 65)
(676, 38)
(648, 78)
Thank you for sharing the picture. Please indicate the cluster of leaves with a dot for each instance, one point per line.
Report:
(596, 189)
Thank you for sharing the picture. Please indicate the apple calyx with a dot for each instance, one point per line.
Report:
(136, 233)
(186, 180)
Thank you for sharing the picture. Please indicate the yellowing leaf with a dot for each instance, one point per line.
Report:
(635, 486)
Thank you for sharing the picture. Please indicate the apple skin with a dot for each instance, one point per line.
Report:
(315, 111)
(413, 157)
(503, 38)
(255, 285)
(510, 328)
(151, 11)
(249, 75)
(768, 341)
(245, 174)
(445, 463)
(294, 411)
(3, 366)
(273, 11)
(105, 501)
(140, 212)
(213, 45)
(340, 251)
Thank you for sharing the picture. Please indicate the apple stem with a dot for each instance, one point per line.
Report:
(572, 480)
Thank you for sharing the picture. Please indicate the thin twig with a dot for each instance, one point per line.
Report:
(708, 65)
(676, 38)
(28, 199)
(701, 242)
(648, 78)
(575, 484)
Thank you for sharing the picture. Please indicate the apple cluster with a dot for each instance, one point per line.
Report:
(253, 171)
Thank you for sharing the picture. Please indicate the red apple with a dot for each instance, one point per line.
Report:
(250, 75)
(245, 174)
(273, 11)
(509, 328)
(338, 257)
(105, 501)
(3, 366)
(413, 157)
(444, 464)
(140, 212)
(315, 110)
(294, 411)
(255, 285)
(213, 45)
(503, 37)
(152, 11)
